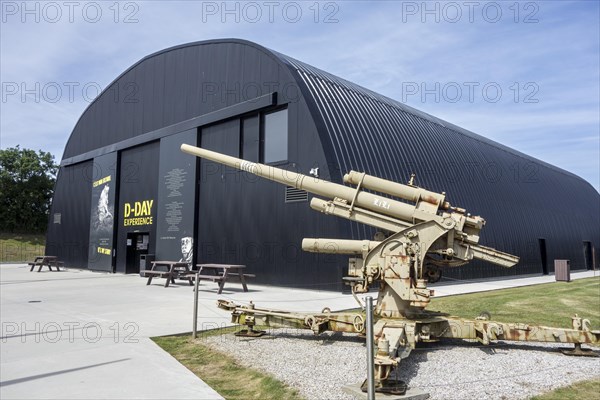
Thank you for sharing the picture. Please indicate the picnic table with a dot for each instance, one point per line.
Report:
(45, 261)
(170, 270)
(220, 273)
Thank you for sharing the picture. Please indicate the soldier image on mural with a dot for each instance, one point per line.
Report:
(100, 255)
(187, 250)
(103, 218)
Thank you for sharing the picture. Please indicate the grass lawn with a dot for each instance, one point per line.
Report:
(20, 247)
(550, 304)
(586, 390)
(223, 373)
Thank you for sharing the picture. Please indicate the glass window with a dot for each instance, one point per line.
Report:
(275, 137)
(251, 139)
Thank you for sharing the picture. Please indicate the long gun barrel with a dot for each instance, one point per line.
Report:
(425, 209)
(372, 209)
(310, 184)
(406, 192)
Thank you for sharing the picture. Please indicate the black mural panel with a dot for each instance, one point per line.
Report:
(104, 187)
(69, 222)
(137, 200)
(176, 199)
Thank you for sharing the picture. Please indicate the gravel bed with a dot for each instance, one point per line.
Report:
(319, 366)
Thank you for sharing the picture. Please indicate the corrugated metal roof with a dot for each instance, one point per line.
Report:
(521, 197)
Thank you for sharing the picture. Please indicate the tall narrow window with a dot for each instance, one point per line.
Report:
(275, 144)
(251, 138)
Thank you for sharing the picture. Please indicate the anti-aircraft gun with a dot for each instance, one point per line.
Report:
(423, 238)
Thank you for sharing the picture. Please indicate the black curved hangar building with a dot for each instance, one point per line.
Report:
(124, 188)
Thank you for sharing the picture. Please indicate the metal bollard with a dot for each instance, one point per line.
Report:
(195, 323)
(370, 350)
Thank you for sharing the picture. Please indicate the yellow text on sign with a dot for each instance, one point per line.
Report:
(103, 250)
(101, 181)
(138, 209)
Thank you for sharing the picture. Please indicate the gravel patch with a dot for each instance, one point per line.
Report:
(319, 366)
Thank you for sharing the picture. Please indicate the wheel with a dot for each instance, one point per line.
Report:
(484, 315)
(432, 273)
(309, 321)
(359, 323)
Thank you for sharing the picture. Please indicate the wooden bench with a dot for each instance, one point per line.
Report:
(214, 278)
(221, 274)
(245, 275)
(158, 274)
(58, 264)
(45, 261)
(174, 269)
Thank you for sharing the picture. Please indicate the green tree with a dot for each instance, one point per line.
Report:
(26, 186)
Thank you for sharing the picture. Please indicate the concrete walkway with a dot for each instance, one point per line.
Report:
(79, 334)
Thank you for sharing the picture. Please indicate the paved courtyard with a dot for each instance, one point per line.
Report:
(78, 334)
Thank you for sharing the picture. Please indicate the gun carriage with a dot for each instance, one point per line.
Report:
(423, 235)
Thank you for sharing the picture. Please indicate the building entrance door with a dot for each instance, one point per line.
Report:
(137, 244)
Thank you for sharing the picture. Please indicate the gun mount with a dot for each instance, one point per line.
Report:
(420, 240)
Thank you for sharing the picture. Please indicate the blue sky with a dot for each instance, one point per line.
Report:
(525, 74)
